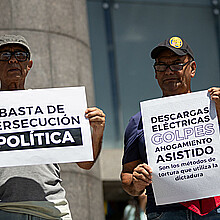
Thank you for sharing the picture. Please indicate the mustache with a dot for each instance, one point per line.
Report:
(14, 65)
(171, 78)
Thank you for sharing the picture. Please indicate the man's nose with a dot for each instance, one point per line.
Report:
(168, 71)
(13, 59)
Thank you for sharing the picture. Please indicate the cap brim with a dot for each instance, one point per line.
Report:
(157, 50)
(18, 43)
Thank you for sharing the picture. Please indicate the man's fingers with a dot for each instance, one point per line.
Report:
(144, 177)
(94, 112)
(143, 168)
(143, 172)
(214, 92)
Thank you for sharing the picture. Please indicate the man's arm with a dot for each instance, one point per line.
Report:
(135, 177)
(215, 96)
(97, 122)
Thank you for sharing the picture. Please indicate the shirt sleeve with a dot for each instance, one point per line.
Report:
(132, 136)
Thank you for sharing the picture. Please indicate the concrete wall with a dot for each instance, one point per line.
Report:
(57, 31)
(110, 175)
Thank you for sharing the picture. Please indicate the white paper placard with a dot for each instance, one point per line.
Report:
(183, 146)
(44, 126)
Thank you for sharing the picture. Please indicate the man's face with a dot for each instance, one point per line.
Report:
(175, 82)
(13, 72)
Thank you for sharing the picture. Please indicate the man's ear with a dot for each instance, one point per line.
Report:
(29, 65)
(193, 69)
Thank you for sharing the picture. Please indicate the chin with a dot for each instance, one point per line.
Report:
(173, 91)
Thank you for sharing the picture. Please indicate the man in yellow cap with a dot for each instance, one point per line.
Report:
(174, 68)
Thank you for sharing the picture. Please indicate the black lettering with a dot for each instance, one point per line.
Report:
(160, 159)
(51, 109)
(38, 110)
(21, 111)
(206, 110)
(153, 119)
(12, 112)
(60, 108)
(3, 112)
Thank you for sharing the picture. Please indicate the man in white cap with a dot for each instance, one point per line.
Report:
(35, 192)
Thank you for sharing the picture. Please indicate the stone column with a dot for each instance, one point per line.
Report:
(57, 31)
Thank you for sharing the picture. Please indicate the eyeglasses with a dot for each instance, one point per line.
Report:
(20, 56)
(173, 67)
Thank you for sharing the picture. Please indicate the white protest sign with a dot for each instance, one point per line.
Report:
(183, 147)
(44, 126)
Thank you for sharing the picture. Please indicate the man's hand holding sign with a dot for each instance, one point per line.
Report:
(97, 122)
(142, 177)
